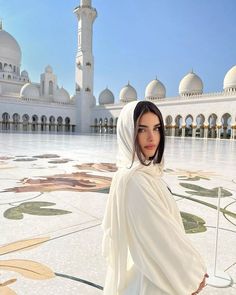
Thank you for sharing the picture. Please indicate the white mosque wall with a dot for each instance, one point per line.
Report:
(10, 87)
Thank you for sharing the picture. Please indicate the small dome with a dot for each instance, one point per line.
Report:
(29, 91)
(62, 96)
(190, 84)
(9, 49)
(24, 74)
(155, 90)
(128, 93)
(48, 69)
(230, 80)
(106, 97)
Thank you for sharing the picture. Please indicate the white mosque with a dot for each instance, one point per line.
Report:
(27, 106)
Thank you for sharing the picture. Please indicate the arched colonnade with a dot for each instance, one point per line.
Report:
(203, 126)
(35, 123)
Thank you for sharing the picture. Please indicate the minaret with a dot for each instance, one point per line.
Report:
(84, 72)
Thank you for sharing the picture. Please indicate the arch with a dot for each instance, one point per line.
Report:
(67, 124)
(16, 121)
(178, 124)
(9, 77)
(168, 126)
(212, 119)
(50, 89)
(188, 128)
(5, 117)
(52, 121)
(200, 119)
(44, 119)
(0, 66)
(5, 121)
(35, 118)
(212, 131)
(34, 126)
(59, 120)
(25, 118)
(43, 123)
(16, 117)
(168, 120)
(25, 122)
(59, 124)
(226, 120)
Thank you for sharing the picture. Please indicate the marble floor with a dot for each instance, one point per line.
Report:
(53, 191)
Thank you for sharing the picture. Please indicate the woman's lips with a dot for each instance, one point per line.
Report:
(150, 147)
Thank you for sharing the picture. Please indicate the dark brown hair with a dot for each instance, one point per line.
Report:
(141, 108)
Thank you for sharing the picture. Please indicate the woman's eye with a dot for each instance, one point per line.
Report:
(157, 129)
(140, 130)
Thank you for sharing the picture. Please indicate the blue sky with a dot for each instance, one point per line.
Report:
(133, 40)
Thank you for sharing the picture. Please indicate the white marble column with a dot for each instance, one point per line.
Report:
(173, 130)
(194, 127)
(183, 130)
(218, 131)
(206, 131)
(233, 129)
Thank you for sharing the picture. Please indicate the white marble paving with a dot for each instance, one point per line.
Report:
(74, 245)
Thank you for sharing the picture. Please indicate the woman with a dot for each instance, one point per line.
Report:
(147, 250)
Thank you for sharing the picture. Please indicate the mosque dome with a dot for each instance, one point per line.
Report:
(10, 51)
(230, 80)
(106, 97)
(29, 90)
(48, 69)
(128, 93)
(155, 90)
(190, 84)
(24, 74)
(62, 96)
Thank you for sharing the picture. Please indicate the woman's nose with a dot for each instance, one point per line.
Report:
(150, 135)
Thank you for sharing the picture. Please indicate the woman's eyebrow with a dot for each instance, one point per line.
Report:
(145, 126)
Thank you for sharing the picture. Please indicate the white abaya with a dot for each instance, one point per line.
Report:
(147, 250)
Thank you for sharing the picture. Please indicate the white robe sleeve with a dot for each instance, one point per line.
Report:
(158, 245)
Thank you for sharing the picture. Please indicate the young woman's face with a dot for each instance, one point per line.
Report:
(149, 134)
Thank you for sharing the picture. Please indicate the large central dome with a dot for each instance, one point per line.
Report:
(10, 51)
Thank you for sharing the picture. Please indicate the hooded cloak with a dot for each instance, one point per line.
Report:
(144, 242)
